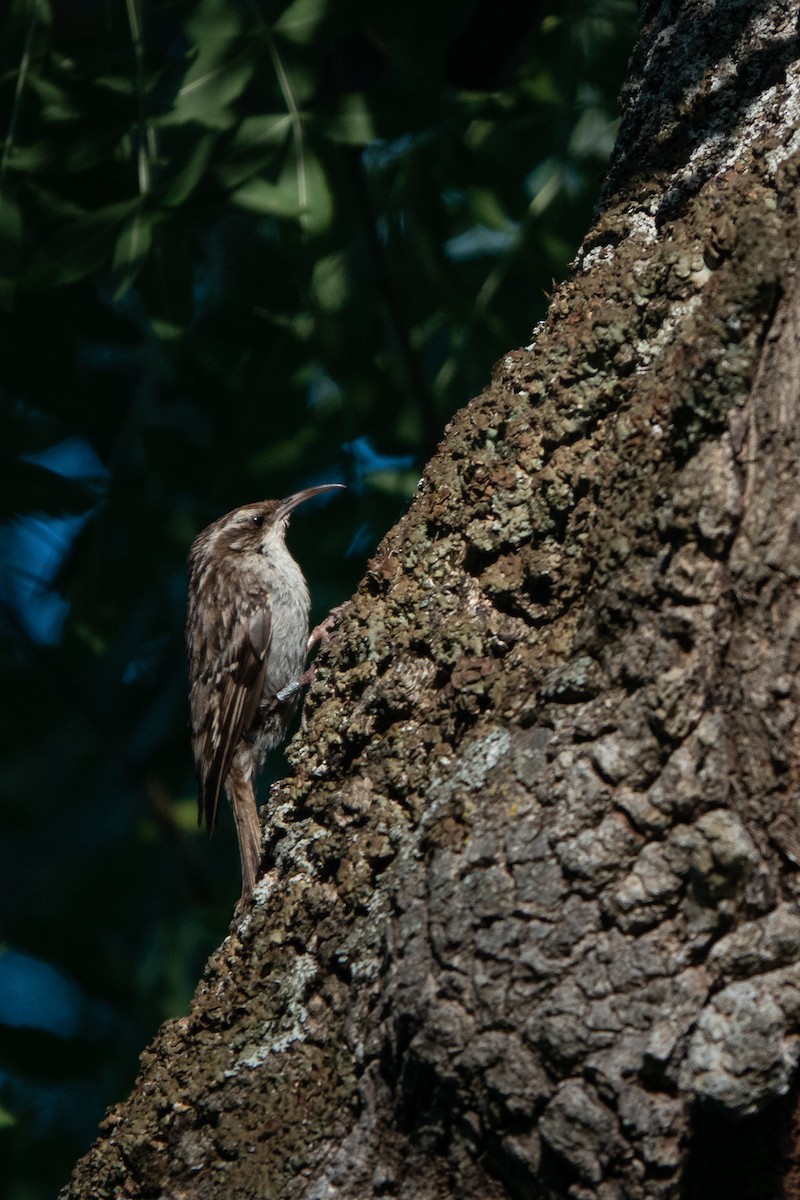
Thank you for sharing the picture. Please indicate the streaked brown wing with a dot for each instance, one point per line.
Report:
(239, 680)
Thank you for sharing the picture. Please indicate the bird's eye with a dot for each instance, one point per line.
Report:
(258, 519)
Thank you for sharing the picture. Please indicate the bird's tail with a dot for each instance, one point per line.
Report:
(239, 787)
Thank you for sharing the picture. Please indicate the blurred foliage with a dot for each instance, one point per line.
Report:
(244, 248)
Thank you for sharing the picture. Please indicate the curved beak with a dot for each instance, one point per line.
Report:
(291, 502)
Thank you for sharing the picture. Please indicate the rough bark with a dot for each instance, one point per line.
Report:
(530, 922)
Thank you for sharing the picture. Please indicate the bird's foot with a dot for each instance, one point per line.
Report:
(321, 631)
(318, 634)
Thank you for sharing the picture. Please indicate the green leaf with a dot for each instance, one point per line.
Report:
(214, 82)
(299, 21)
(486, 207)
(302, 192)
(254, 147)
(56, 103)
(78, 248)
(50, 205)
(10, 224)
(183, 180)
(543, 184)
(330, 283)
(31, 158)
(10, 249)
(131, 247)
(267, 199)
(314, 193)
(265, 129)
(117, 85)
(354, 124)
(592, 136)
(224, 18)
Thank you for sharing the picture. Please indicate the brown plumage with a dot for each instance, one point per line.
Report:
(246, 633)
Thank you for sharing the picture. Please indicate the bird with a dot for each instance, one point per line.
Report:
(247, 640)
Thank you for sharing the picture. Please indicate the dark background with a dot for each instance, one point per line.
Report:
(244, 249)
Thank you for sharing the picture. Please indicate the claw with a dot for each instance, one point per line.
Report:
(321, 631)
(318, 634)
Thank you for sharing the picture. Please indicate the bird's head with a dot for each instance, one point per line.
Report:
(254, 528)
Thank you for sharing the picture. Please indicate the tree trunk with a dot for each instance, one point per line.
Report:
(529, 924)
